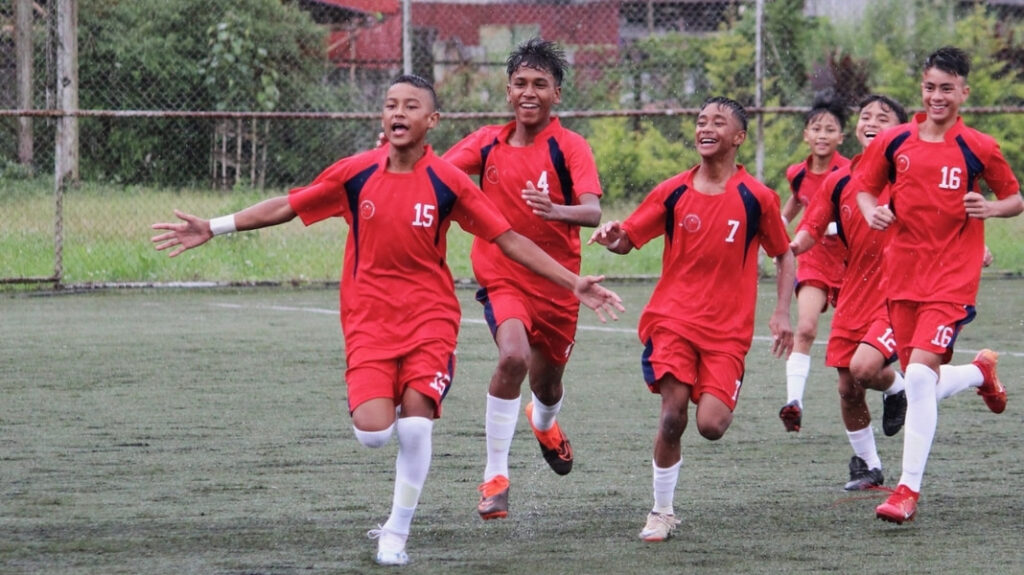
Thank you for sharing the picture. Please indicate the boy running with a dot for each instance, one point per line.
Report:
(399, 312)
(932, 266)
(699, 323)
(544, 180)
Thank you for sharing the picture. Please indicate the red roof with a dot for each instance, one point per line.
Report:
(366, 6)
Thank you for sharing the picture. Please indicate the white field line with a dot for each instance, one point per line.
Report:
(596, 328)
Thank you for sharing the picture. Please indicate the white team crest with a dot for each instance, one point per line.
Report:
(367, 209)
(492, 174)
(845, 213)
(691, 223)
(902, 163)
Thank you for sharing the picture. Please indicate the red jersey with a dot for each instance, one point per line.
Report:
(708, 285)
(559, 162)
(864, 295)
(828, 257)
(936, 250)
(396, 288)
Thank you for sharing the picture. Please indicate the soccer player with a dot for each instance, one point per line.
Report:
(399, 313)
(861, 345)
(543, 178)
(699, 323)
(819, 271)
(933, 264)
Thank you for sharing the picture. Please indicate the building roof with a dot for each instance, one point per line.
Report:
(364, 6)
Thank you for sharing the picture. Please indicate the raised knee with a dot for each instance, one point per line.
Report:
(513, 364)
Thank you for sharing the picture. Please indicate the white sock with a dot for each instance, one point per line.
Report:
(373, 439)
(798, 366)
(544, 415)
(411, 467)
(665, 480)
(500, 426)
(863, 443)
(898, 384)
(922, 419)
(955, 378)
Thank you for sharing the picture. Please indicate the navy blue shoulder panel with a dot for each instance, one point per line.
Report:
(798, 180)
(484, 152)
(753, 209)
(670, 211)
(445, 201)
(974, 165)
(837, 194)
(562, 169)
(354, 187)
(890, 153)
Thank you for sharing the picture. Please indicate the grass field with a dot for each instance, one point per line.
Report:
(204, 431)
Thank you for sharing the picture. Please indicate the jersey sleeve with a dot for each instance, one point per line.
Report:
(819, 211)
(774, 237)
(475, 212)
(872, 173)
(648, 219)
(323, 198)
(998, 174)
(466, 155)
(583, 168)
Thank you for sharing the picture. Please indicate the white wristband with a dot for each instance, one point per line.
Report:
(832, 229)
(614, 244)
(223, 225)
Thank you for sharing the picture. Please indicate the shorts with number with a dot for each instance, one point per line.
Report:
(550, 326)
(706, 371)
(842, 344)
(928, 326)
(429, 368)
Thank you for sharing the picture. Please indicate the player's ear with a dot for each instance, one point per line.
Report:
(739, 138)
(433, 120)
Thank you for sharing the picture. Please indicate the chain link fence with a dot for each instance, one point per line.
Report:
(208, 106)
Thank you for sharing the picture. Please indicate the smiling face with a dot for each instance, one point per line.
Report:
(942, 94)
(874, 118)
(823, 134)
(718, 131)
(532, 93)
(408, 114)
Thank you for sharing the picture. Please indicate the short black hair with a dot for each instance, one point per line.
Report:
(949, 59)
(822, 107)
(886, 102)
(737, 109)
(541, 55)
(419, 82)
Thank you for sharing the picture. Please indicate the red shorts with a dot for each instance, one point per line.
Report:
(928, 326)
(842, 344)
(831, 293)
(429, 368)
(706, 371)
(550, 326)
(825, 263)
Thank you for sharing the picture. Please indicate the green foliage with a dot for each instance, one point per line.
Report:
(632, 162)
(189, 55)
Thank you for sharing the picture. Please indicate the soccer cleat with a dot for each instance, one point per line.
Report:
(790, 414)
(894, 412)
(493, 498)
(991, 389)
(899, 507)
(390, 546)
(861, 477)
(554, 445)
(659, 527)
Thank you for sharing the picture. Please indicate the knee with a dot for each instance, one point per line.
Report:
(513, 364)
(673, 423)
(850, 392)
(714, 429)
(373, 439)
(807, 329)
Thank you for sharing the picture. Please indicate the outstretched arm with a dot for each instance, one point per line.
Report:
(194, 231)
(586, 288)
